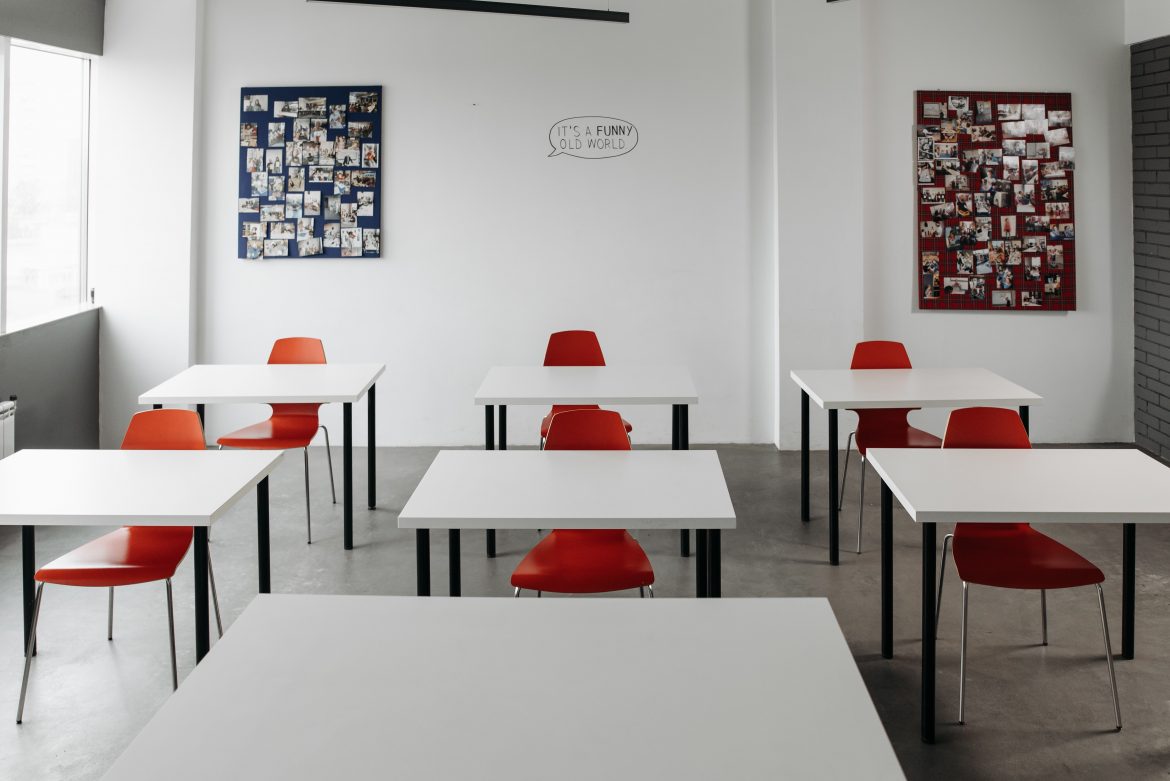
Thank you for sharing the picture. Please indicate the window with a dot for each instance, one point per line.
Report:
(43, 172)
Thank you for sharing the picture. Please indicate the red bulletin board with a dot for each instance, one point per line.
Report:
(994, 195)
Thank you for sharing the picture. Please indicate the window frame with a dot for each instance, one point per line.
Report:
(6, 46)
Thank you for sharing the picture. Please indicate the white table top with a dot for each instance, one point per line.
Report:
(133, 487)
(1026, 486)
(885, 388)
(571, 489)
(355, 687)
(587, 385)
(264, 383)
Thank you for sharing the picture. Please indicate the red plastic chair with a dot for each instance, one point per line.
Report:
(291, 426)
(132, 554)
(880, 427)
(1011, 555)
(572, 348)
(585, 561)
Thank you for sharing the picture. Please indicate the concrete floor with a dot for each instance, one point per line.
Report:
(1033, 712)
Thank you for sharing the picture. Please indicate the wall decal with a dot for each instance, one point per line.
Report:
(994, 201)
(592, 138)
(309, 172)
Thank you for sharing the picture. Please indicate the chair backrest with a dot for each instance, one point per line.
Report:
(164, 429)
(986, 427)
(573, 348)
(880, 355)
(297, 349)
(587, 429)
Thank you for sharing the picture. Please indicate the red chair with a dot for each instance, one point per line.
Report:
(1011, 555)
(132, 554)
(880, 427)
(291, 425)
(585, 561)
(572, 348)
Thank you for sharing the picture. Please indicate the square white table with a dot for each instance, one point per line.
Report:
(134, 488)
(603, 385)
(1080, 485)
(324, 383)
(571, 489)
(323, 687)
(837, 389)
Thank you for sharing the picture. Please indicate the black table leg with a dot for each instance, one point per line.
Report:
(202, 618)
(422, 558)
(371, 446)
(263, 547)
(201, 411)
(680, 440)
(804, 456)
(1024, 417)
(1128, 587)
(453, 573)
(887, 572)
(928, 633)
(714, 563)
(834, 530)
(489, 430)
(28, 570)
(347, 472)
(503, 427)
(702, 566)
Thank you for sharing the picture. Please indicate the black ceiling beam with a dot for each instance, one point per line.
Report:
(491, 7)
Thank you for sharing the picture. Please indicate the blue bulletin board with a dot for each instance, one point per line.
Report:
(310, 166)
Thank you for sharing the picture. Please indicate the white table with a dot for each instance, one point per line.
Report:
(606, 385)
(284, 384)
(134, 488)
(1087, 485)
(571, 489)
(314, 687)
(837, 389)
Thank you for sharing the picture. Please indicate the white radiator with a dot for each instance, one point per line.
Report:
(7, 428)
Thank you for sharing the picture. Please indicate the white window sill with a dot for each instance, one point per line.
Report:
(59, 316)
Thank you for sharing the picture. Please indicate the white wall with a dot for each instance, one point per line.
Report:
(489, 245)
(141, 185)
(1146, 20)
(846, 272)
(819, 168)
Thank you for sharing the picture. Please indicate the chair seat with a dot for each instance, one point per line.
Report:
(279, 432)
(544, 424)
(572, 561)
(132, 554)
(1017, 556)
(906, 436)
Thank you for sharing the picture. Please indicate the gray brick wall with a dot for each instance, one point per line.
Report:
(1150, 85)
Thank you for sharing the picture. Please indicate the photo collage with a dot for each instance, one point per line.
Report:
(309, 175)
(994, 201)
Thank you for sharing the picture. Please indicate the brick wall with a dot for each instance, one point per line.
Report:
(1150, 84)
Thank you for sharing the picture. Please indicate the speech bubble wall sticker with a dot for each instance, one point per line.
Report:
(592, 138)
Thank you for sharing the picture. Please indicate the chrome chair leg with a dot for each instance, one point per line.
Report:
(539, 594)
(942, 574)
(1108, 656)
(28, 653)
(641, 592)
(963, 658)
(171, 626)
(1043, 617)
(329, 456)
(861, 505)
(308, 511)
(651, 588)
(517, 593)
(110, 622)
(214, 595)
(845, 474)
